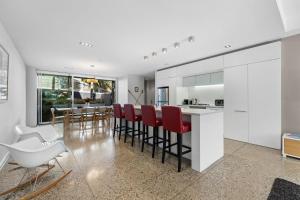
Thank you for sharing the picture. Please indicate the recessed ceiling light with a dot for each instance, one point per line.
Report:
(164, 50)
(191, 39)
(154, 54)
(227, 46)
(176, 45)
(145, 57)
(86, 44)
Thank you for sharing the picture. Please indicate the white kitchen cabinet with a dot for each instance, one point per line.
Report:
(236, 103)
(203, 79)
(264, 83)
(189, 81)
(217, 78)
(253, 55)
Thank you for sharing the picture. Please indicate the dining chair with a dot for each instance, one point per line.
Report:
(54, 117)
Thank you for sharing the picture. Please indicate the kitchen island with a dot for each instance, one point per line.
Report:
(206, 138)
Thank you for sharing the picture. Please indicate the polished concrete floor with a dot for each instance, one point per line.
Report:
(104, 168)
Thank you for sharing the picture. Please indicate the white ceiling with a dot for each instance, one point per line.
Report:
(289, 10)
(47, 33)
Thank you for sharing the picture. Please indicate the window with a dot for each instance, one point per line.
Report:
(56, 91)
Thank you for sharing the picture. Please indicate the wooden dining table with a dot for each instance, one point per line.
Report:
(67, 110)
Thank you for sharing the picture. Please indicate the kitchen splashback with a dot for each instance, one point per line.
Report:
(206, 94)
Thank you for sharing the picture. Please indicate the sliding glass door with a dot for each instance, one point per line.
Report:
(55, 91)
(94, 92)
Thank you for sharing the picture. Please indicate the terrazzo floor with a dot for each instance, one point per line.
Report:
(106, 168)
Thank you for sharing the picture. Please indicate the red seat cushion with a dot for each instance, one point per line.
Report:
(186, 127)
(149, 116)
(138, 118)
(158, 122)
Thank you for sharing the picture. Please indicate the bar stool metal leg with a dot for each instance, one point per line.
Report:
(154, 141)
(147, 134)
(126, 130)
(164, 147)
(139, 130)
(120, 128)
(115, 126)
(143, 138)
(169, 140)
(133, 133)
(179, 150)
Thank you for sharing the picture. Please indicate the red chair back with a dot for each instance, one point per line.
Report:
(117, 110)
(129, 112)
(149, 115)
(172, 118)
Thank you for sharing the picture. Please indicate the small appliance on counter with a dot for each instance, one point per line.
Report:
(186, 101)
(219, 102)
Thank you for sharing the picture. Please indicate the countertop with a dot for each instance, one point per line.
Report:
(191, 111)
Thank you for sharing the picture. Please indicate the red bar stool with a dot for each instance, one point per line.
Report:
(172, 121)
(130, 116)
(150, 119)
(118, 113)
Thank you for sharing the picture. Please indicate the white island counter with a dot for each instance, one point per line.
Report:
(206, 138)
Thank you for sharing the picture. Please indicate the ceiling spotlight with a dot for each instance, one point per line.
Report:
(164, 50)
(154, 54)
(86, 44)
(227, 46)
(145, 57)
(191, 39)
(176, 45)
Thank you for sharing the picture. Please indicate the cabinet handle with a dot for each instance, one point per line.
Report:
(240, 111)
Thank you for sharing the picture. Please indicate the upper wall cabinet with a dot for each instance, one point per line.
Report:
(201, 67)
(203, 79)
(217, 78)
(256, 54)
(189, 81)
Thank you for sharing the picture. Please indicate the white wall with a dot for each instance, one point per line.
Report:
(136, 81)
(206, 94)
(31, 96)
(13, 111)
(291, 84)
(122, 90)
(150, 92)
(129, 83)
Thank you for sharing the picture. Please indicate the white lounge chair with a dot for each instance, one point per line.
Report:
(45, 133)
(30, 154)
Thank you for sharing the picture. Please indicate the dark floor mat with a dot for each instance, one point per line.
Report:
(284, 190)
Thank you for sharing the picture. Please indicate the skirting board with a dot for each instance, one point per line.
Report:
(4, 160)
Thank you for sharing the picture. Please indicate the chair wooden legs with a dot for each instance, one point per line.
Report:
(46, 188)
(22, 185)
(33, 180)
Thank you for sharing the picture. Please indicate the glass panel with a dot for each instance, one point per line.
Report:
(93, 92)
(53, 91)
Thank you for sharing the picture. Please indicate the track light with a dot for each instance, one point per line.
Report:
(176, 45)
(191, 39)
